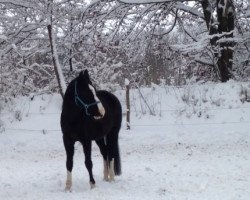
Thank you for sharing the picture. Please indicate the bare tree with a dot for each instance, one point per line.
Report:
(57, 67)
(144, 40)
(220, 18)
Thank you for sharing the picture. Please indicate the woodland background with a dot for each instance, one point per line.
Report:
(172, 42)
(189, 136)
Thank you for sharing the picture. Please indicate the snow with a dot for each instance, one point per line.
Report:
(3, 37)
(222, 5)
(189, 9)
(127, 82)
(143, 1)
(248, 12)
(197, 146)
(17, 3)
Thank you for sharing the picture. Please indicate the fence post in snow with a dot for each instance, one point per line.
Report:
(127, 104)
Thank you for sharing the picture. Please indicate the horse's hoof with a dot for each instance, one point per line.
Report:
(67, 189)
(68, 186)
(92, 185)
(111, 179)
(106, 178)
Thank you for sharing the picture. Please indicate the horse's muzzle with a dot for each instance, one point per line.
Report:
(98, 117)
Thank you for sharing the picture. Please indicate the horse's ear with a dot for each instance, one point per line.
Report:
(85, 76)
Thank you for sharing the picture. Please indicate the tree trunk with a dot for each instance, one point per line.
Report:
(128, 106)
(71, 44)
(225, 13)
(221, 28)
(70, 60)
(57, 67)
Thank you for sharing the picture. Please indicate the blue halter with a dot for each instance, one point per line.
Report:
(80, 102)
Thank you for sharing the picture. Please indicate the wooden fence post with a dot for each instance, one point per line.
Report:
(127, 104)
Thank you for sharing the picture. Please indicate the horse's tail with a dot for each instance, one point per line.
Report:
(117, 160)
(114, 150)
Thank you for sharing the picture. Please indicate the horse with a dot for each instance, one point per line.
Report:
(89, 114)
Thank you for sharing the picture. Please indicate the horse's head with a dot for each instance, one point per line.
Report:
(85, 96)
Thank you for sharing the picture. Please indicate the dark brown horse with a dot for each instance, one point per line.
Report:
(89, 114)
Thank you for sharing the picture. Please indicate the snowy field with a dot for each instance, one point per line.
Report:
(196, 146)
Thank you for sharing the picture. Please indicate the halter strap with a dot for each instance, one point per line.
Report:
(80, 103)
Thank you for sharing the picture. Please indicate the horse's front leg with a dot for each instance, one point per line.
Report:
(69, 148)
(88, 162)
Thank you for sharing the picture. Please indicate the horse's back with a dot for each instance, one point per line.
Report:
(112, 106)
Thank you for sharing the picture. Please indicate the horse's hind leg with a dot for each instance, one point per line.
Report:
(103, 148)
(113, 153)
(69, 147)
(88, 162)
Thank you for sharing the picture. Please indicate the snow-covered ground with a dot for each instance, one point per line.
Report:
(196, 146)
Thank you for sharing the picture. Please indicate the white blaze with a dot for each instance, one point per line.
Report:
(99, 105)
